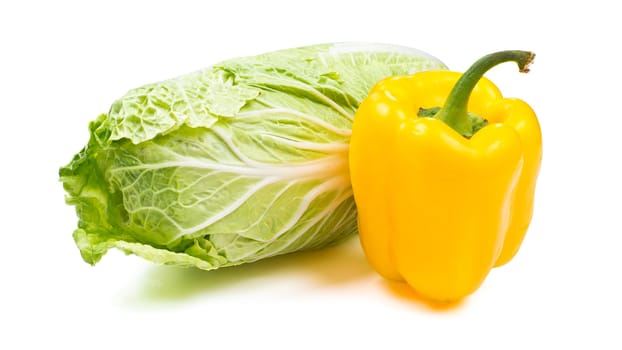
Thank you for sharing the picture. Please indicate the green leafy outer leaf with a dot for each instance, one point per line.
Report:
(241, 161)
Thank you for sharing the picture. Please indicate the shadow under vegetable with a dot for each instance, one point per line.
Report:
(338, 264)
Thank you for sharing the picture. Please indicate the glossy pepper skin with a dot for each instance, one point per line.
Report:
(436, 209)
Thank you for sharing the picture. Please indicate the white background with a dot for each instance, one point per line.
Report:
(63, 63)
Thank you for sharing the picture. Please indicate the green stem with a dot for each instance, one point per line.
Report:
(454, 112)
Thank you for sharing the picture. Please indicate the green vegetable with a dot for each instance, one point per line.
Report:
(241, 161)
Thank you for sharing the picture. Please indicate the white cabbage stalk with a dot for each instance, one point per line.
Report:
(244, 160)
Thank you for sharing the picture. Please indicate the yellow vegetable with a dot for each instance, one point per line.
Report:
(445, 196)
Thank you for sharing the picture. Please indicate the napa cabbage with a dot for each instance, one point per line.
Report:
(237, 162)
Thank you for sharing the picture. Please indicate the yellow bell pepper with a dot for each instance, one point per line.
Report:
(443, 198)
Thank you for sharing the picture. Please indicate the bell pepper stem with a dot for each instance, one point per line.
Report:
(454, 113)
